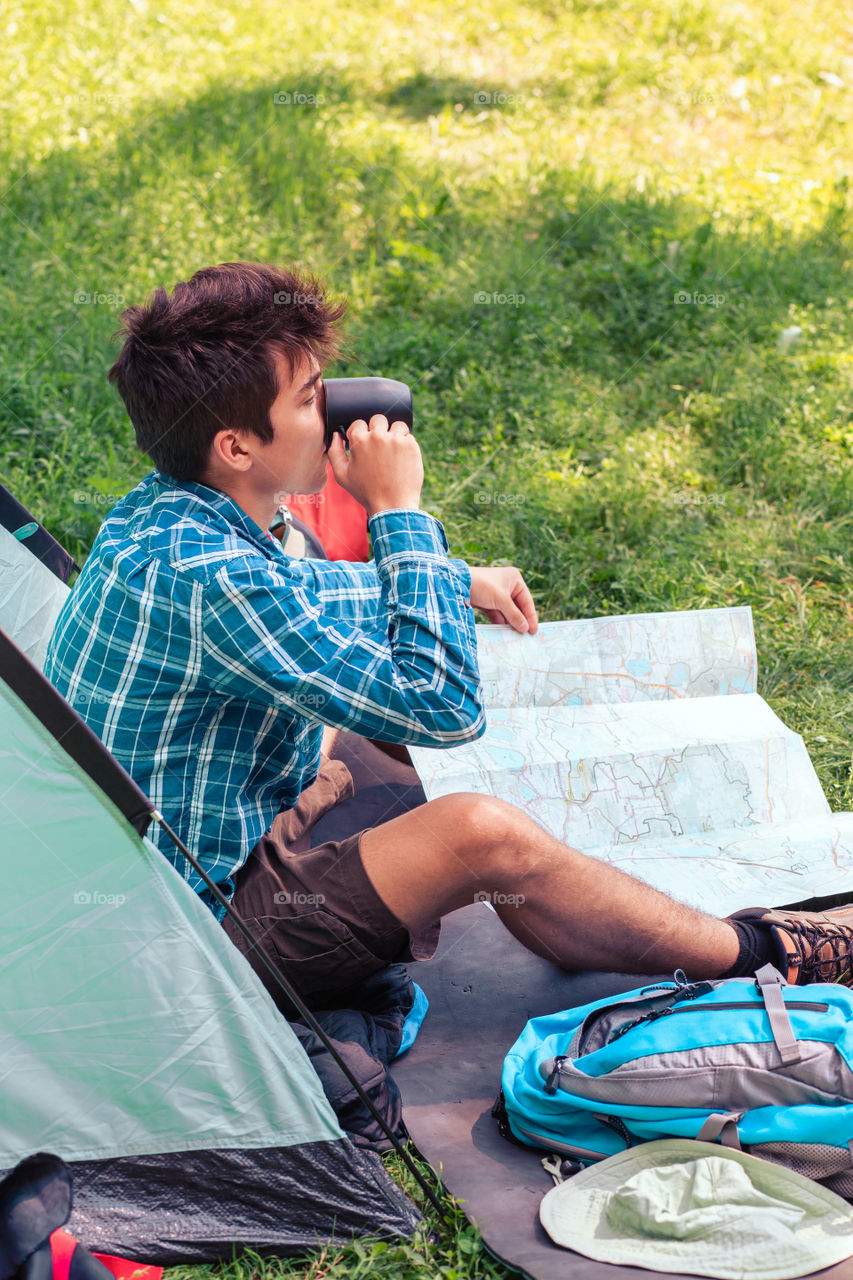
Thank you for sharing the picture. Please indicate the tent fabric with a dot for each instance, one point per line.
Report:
(15, 518)
(78, 740)
(134, 1038)
(81, 885)
(31, 596)
(483, 986)
(131, 1030)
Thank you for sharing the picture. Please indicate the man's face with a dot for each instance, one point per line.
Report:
(294, 461)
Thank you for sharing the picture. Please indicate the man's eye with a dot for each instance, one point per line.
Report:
(313, 398)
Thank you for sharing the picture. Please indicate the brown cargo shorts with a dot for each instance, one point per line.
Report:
(312, 909)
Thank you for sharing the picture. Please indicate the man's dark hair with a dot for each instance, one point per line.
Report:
(202, 359)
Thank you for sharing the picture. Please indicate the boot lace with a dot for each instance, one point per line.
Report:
(826, 951)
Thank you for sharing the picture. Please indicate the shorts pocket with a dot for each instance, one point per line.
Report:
(317, 952)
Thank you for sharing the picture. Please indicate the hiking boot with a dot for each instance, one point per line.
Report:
(813, 946)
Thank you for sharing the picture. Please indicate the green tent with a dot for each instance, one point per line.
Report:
(135, 1041)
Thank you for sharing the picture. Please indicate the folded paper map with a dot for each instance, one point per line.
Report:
(641, 740)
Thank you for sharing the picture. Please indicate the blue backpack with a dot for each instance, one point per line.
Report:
(751, 1062)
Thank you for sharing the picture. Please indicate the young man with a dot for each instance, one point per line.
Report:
(209, 662)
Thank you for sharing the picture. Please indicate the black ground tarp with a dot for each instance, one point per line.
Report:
(197, 1206)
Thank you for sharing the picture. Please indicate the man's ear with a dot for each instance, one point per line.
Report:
(229, 449)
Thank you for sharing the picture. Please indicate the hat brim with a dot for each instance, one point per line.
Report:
(574, 1215)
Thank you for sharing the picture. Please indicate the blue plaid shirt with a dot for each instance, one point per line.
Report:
(208, 661)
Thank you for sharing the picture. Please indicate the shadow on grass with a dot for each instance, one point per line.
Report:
(586, 348)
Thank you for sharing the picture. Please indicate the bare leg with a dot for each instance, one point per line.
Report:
(568, 908)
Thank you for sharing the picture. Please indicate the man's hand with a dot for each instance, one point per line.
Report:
(504, 596)
(383, 469)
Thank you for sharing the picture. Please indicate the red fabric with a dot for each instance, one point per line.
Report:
(62, 1246)
(124, 1269)
(337, 519)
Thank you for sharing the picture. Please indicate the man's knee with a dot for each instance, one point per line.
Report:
(486, 831)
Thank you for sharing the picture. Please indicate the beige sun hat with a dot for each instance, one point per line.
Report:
(683, 1205)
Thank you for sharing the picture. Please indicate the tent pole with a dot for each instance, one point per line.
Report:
(305, 1013)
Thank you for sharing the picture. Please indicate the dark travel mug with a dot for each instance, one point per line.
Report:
(348, 399)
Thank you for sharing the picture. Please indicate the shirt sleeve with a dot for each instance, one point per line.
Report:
(351, 591)
(347, 591)
(404, 672)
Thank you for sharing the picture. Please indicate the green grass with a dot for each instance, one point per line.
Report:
(588, 162)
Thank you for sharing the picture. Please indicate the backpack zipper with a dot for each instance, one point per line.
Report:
(651, 1016)
(810, 1005)
(679, 989)
(552, 1084)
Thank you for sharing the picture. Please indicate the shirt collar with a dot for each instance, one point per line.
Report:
(228, 509)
